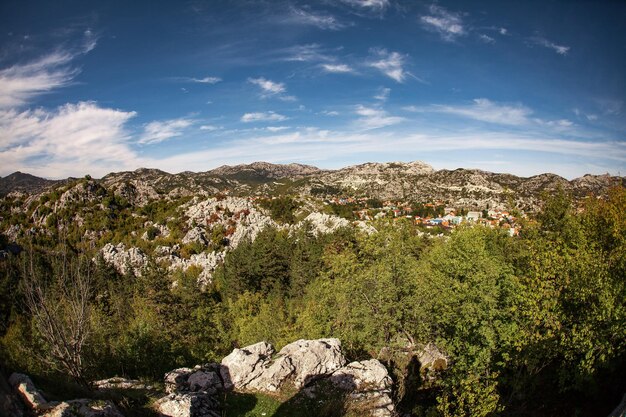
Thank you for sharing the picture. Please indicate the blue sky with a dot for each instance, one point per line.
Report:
(521, 87)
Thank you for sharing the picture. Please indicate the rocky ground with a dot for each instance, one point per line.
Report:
(303, 375)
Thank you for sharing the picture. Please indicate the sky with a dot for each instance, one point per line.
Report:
(524, 87)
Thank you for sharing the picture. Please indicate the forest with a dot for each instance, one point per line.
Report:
(534, 325)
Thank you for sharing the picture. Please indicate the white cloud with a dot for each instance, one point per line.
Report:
(305, 53)
(73, 140)
(503, 31)
(269, 116)
(368, 4)
(330, 113)
(269, 87)
(337, 68)
(210, 128)
(484, 110)
(559, 49)
(447, 24)
(276, 128)
(159, 131)
(207, 80)
(389, 63)
(383, 94)
(486, 38)
(20, 83)
(319, 20)
(374, 118)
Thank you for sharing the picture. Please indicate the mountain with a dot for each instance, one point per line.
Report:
(19, 181)
(408, 181)
(264, 171)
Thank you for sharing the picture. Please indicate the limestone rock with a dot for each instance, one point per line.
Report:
(84, 408)
(245, 365)
(123, 259)
(195, 235)
(201, 378)
(192, 404)
(120, 383)
(369, 384)
(431, 358)
(31, 396)
(304, 361)
(324, 223)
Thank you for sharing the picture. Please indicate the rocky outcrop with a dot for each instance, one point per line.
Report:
(192, 404)
(369, 385)
(195, 235)
(201, 378)
(301, 365)
(298, 363)
(32, 397)
(245, 365)
(124, 260)
(84, 408)
(322, 223)
(192, 392)
(120, 383)
(35, 401)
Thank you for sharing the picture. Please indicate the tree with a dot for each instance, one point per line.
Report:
(60, 309)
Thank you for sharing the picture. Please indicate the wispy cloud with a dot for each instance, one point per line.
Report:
(483, 110)
(210, 128)
(73, 139)
(374, 118)
(320, 20)
(447, 24)
(159, 131)
(269, 116)
(559, 49)
(274, 129)
(206, 80)
(337, 68)
(20, 83)
(312, 52)
(389, 63)
(270, 88)
(486, 38)
(383, 94)
(376, 5)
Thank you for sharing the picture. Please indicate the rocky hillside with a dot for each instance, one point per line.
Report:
(413, 181)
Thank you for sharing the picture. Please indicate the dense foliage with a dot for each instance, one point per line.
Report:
(533, 324)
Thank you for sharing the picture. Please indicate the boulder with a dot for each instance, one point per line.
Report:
(192, 404)
(31, 396)
(242, 366)
(431, 358)
(84, 408)
(205, 379)
(302, 361)
(120, 383)
(369, 385)
(195, 235)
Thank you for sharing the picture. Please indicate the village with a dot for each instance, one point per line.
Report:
(435, 215)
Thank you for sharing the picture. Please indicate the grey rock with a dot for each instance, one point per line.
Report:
(243, 366)
(369, 385)
(31, 396)
(193, 404)
(206, 379)
(84, 408)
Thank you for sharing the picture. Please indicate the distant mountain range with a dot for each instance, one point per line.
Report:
(416, 181)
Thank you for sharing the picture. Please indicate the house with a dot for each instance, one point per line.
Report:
(473, 216)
